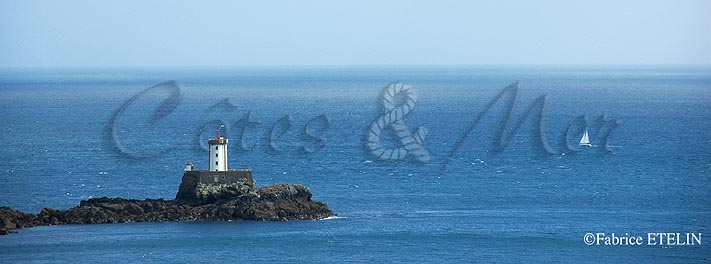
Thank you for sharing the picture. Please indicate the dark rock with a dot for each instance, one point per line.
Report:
(196, 202)
(12, 219)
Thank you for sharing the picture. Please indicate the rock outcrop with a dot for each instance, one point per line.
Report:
(12, 219)
(196, 201)
(203, 187)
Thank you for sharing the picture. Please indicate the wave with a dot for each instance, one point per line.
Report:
(332, 218)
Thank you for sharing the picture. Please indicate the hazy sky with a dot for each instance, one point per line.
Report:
(371, 32)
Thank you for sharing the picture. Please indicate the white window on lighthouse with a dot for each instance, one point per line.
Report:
(218, 153)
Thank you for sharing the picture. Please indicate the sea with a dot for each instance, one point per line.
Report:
(495, 173)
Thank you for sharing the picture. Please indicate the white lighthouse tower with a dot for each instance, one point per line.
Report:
(218, 153)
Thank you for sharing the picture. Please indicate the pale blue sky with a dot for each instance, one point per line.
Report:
(371, 32)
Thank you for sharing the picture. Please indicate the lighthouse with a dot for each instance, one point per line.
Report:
(218, 153)
(197, 184)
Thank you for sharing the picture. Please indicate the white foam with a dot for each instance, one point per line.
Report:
(332, 217)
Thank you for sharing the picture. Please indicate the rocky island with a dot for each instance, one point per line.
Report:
(197, 202)
(217, 194)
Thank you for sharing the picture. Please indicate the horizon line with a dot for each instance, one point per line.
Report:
(513, 65)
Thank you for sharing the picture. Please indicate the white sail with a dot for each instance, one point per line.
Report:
(585, 141)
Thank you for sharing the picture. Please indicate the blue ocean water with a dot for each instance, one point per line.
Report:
(69, 135)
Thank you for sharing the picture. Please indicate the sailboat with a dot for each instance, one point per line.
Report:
(585, 141)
